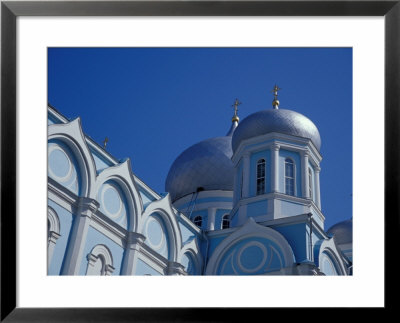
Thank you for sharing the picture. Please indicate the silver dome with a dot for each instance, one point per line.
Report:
(276, 120)
(342, 231)
(206, 165)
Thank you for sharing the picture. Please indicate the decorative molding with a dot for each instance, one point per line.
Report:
(329, 248)
(87, 206)
(72, 135)
(174, 268)
(122, 175)
(102, 251)
(164, 209)
(249, 230)
(266, 141)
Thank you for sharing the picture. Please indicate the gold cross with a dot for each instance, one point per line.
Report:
(235, 106)
(275, 91)
(105, 142)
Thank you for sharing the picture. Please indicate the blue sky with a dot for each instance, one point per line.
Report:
(153, 103)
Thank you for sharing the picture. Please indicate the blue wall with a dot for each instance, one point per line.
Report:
(65, 218)
(296, 236)
(144, 269)
(257, 208)
(94, 238)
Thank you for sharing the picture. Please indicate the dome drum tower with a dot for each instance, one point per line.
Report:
(276, 175)
(277, 164)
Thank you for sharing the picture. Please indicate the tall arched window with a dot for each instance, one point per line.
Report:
(289, 176)
(310, 184)
(225, 221)
(198, 221)
(260, 177)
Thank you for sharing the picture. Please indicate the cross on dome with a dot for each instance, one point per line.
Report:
(235, 106)
(275, 103)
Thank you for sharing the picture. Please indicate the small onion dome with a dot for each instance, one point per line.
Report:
(342, 231)
(276, 120)
(204, 166)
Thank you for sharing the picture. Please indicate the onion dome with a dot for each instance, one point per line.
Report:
(204, 166)
(276, 120)
(342, 231)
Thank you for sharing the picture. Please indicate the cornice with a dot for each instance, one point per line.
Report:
(273, 139)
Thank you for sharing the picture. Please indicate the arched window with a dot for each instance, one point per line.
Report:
(260, 177)
(100, 262)
(53, 233)
(289, 176)
(225, 221)
(310, 184)
(198, 221)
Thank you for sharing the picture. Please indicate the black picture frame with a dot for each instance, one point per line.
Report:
(10, 10)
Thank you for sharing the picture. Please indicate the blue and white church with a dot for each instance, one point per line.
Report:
(247, 203)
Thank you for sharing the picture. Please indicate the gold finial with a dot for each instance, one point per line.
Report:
(105, 142)
(275, 103)
(235, 106)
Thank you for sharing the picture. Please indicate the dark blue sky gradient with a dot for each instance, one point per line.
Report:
(153, 103)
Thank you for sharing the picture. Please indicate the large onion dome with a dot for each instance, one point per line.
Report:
(276, 120)
(205, 166)
(342, 231)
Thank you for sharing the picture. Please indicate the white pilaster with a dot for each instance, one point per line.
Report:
(132, 249)
(211, 218)
(304, 175)
(317, 188)
(246, 175)
(86, 208)
(275, 168)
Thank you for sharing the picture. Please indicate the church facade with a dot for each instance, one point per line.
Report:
(247, 203)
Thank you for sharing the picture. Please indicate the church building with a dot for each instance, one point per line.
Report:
(247, 203)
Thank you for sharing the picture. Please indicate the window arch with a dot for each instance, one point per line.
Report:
(225, 222)
(289, 176)
(198, 221)
(100, 262)
(310, 184)
(53, 232)
(260, 177)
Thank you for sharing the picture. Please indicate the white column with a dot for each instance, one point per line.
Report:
(246, 175)
(304, 175)
(132, 249)
(73, 258)
(275, 168)
(211, 218)
(317, 189)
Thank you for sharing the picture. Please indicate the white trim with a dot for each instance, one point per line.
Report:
(329, 247)
(164, 209)
(72, 135)
(266, 141)
(122, 175)
(248, 230)
(98, 251)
